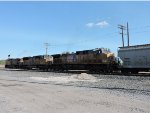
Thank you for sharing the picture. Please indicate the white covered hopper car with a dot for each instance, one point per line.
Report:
(135, 58)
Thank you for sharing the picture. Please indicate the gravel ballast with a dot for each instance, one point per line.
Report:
(47, 92)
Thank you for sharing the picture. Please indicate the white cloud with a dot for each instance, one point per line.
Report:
(100, 24)
(90, 24)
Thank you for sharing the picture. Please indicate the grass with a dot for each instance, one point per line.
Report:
(2, 62)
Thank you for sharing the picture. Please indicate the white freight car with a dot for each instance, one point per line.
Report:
(135, 58)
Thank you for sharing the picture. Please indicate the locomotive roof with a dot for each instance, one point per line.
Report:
(13, 59)
(26, 58)
(56, 55)
(90, 50)
(103, 50)
(40, 56)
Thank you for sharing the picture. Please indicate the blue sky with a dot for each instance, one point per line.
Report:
(69, 26)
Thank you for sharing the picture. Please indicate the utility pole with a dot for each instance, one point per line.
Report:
(128, 34)
(46, 47)
(122, 32)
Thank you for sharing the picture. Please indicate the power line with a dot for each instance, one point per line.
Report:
(140, 27)
(106, 35)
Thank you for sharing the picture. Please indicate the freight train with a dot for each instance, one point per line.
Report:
(98, 60)
(131, 59)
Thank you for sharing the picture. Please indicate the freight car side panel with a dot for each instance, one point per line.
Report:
(135, 56)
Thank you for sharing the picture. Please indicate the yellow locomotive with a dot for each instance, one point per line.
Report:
(99, 59)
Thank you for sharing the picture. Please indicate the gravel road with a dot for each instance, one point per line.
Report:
(47, 92)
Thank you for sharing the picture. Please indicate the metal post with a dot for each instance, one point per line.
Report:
(122, 38)
(122, 28)
(46, 46)
(128, 34)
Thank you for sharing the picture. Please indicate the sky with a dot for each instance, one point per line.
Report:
(70, 26)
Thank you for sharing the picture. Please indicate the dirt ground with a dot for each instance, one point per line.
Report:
(2, 66)
(45, 92)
